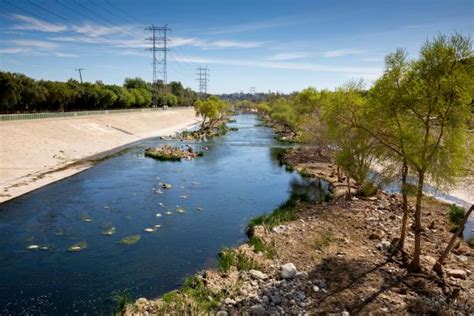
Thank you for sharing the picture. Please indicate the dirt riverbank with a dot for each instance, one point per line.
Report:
(35, 153)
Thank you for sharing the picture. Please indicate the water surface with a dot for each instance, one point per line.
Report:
(238, 178)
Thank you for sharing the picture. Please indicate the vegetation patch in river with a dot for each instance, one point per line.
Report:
(130, 240)
(77, 247)
(108, 231)
(169, 153)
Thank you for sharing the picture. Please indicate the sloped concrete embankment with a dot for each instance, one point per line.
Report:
(35, 153)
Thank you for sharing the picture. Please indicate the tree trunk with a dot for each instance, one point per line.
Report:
(444, 255)
(338, 174)
(349, 195)
(415, 263)
(203, 121)
(401, 242)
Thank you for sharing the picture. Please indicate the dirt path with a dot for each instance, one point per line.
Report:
(35, 153)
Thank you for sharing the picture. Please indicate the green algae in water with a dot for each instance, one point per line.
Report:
(77, 247)
(130, 240)
(109, 231)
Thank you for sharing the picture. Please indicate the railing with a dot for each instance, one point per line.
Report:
(35, 116)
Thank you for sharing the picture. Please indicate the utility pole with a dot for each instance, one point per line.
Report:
(80, 73)
(203, 79)
(159, 41)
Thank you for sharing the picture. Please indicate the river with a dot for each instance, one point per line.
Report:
(238, 178)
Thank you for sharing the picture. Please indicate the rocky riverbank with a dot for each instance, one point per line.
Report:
(207, 132)
(334, 258)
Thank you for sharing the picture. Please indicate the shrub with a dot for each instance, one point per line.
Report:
(456, 215)
(260, 246)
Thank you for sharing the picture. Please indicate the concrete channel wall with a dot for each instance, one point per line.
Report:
(36, 152)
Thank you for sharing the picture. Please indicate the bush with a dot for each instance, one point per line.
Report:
(456, 215)
(260, 246)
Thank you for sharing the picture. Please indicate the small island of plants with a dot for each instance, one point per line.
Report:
(169, 153)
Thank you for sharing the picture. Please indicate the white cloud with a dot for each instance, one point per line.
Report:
(12, 50)
(233, 44)
(32, 24)
(352, 70)
(34, 43)
(341, 53)
(288, 56)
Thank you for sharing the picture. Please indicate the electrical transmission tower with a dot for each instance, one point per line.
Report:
(203, 79)
(252, 90)
(80, 73)
(159, 41)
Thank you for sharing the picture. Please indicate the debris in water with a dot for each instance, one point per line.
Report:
(158, 214)
(200, 209)
(183, 197)
(130, 240)
(44, 248)
(159, 191)
(166, 186)
(180, 210)
(194, 183)
(168, 213)
(157, 226)
(149, 230)
(86, 218)
(77, 247)
(32, 247)
(109, 231)
(161, 204)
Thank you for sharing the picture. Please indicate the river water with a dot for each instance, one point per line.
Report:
(238, 178)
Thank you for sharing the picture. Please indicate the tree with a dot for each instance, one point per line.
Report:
(439, 92)
(211, 109)
(355, 148)
(282, 113)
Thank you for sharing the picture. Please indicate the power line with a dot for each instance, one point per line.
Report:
(80, 73)
(203, 79)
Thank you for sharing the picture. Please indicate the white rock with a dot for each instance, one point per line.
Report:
(222, 313)
(288, 271)
(345, 313)
(229, 301)
(258, 310)
(316, 288)
(149, 230)
(158, 214)
(279, 229)
(32, 247)
(257, 274)
(456, 273)
(301, 275)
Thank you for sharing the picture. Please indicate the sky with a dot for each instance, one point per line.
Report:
(272, 45)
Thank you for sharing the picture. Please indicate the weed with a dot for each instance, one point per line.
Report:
(229, 257)
(284, 213)
(260, 246)
(121, 299)
(324, 239)
(456, 214)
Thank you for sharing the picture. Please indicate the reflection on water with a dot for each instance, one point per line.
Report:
(121, 197)
(311, 190)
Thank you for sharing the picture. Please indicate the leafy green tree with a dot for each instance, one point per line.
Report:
(438, 97)
(282, 113)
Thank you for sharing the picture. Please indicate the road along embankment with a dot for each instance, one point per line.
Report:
(34, 153)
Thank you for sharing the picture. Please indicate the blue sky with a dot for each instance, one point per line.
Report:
(271, 45)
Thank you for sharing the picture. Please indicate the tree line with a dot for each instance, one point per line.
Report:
(416, 121)
(22, 94)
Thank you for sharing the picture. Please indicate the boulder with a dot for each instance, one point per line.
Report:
(257, 275)
(456, 273)
(288, 271)
(258, 310)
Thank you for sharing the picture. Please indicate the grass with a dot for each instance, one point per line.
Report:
(323, 240)
(121, 299)
(160, 155)
(193, 298)
(284, 213)
(229, 257)
(260, 246)
(130, 240)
